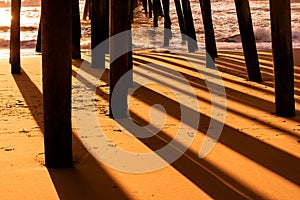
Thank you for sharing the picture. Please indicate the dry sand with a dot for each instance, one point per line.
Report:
(257, 155)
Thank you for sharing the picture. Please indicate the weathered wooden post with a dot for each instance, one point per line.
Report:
(100, 30)
(15, 37)
(210, 41)
(76, 30)
(119, 22)
(38, 47)
(180, 19)
(155, 16)
(159, 9)
(248, 40)
(57, 63)
(132, 2)
(150, 8)
(145, 5)
(189, 26)
(130, 59)
(167, 22)
(282, 57)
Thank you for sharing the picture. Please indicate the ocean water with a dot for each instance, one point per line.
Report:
(224, 20)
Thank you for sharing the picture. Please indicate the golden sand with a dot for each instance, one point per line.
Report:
(257, 155)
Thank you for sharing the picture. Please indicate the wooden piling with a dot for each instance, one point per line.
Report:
(248, 40)
(129, 56)
(150, 8)
(38, 46)
(167, 22)
(15, 37)
(145, 6)
(57, 62)
(155, 13)
(131, 5)
(119, 22)
(159, 9)
(282, 57)
(100, 30)
(180, 19)
(189, 25)
(210, 41)
(76, 30)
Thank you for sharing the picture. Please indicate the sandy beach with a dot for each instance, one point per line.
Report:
(256, 157)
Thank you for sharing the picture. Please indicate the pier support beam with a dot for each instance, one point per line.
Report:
(150, 8)
(145, 6)
(180, 19)
(210, 41)
(15, 37)
(119, 22)
(57, 62)
(189, 26)
(76, 30)
(38, 47)
(248, 40)
(283, 57)
(100, 30)
(155, 13)
(167, 22)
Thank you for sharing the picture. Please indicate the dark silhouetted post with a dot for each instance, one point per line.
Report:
(155, 18)
(132, 2)
(283, 57)
(38, 47)
(180, 19)
(150, 8)
(248, 40)
(119, 22)
(159, 9)
(57, 68)
(100, 30)
(167, 22)
(130, 59)
(76, 30)
(15, 37)
(145, 6)
(189, 26)
(210, 42)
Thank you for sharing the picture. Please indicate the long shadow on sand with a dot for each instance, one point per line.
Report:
(86, 180)
(204, 174)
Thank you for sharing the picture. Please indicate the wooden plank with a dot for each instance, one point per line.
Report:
(248, 40)
(282, 57)
(119, 22)
(57, 62)
(15, 37)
